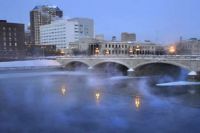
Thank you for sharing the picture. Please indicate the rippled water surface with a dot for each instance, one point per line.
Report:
(80, 102)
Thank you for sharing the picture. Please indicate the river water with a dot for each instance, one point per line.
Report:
(76, 102)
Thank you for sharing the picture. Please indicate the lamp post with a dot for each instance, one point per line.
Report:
(42, 51)
(172, 50)
(130, 50)
(137, 49)
(107, 52)
(96, 51)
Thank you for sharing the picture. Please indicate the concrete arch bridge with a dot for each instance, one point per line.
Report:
(191, 63)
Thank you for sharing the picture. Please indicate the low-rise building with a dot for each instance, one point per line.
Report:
(188, 47)
(84, 46)
(126, 48)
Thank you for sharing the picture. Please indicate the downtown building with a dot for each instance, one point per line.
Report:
(128, 37)
(12, 39)
(188, 47)
(41, 15)
(62, 32)
(115, 48)
(119, 48)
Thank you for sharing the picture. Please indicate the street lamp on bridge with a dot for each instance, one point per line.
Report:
(172, 50)
(96, 51)
(107, 52)
(137, 49)
(130, 50)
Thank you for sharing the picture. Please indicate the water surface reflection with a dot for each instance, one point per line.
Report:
(88, 103)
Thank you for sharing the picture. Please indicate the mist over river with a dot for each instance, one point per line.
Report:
(76, 102)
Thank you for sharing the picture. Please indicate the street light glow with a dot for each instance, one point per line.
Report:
(107, 52)
(96, 51)
(172, 49)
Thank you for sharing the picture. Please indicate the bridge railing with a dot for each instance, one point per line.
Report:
(137, 56)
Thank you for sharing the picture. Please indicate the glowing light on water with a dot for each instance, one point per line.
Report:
(97, 96)
(137, 102)
(63, 91)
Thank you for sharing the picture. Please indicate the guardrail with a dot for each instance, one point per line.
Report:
(139, 56)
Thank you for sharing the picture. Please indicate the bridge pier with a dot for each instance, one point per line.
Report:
(130, 72)
(193, 75)
(90, 69)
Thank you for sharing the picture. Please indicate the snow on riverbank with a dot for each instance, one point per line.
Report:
(30, 63)
(178, 83)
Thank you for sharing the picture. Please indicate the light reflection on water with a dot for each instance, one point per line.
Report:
(97, 95)
(63, 91)
(137, 102)
(65, 103)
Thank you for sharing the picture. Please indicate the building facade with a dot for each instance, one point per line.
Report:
(28, 37)
(188, 47)
(81, 47)
(12, 39)
(126, 48)
(62, 32)
(128, 37)
(42, 15)
(85, 27)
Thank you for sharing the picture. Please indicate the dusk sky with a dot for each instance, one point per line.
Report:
(162, 21)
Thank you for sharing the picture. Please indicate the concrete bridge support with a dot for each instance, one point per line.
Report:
(130, 72)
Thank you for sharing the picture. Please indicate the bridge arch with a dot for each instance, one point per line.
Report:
(111, 67)
(163, 62)
(111, 61)
(76, 65)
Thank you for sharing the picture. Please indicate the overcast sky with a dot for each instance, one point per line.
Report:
(161, 21)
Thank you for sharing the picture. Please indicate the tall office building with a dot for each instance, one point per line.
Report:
(41, 15)
(62, 32)
(11, 38)
(128, 37)
(85, 27)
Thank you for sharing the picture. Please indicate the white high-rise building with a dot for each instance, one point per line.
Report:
(62, 32)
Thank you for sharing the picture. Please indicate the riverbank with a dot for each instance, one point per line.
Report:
(40, 64)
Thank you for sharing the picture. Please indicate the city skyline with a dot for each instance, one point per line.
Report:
(156, 20)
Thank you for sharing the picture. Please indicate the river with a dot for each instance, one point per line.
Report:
(61, 101)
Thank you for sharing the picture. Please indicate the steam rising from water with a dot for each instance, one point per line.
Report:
(87, 102)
